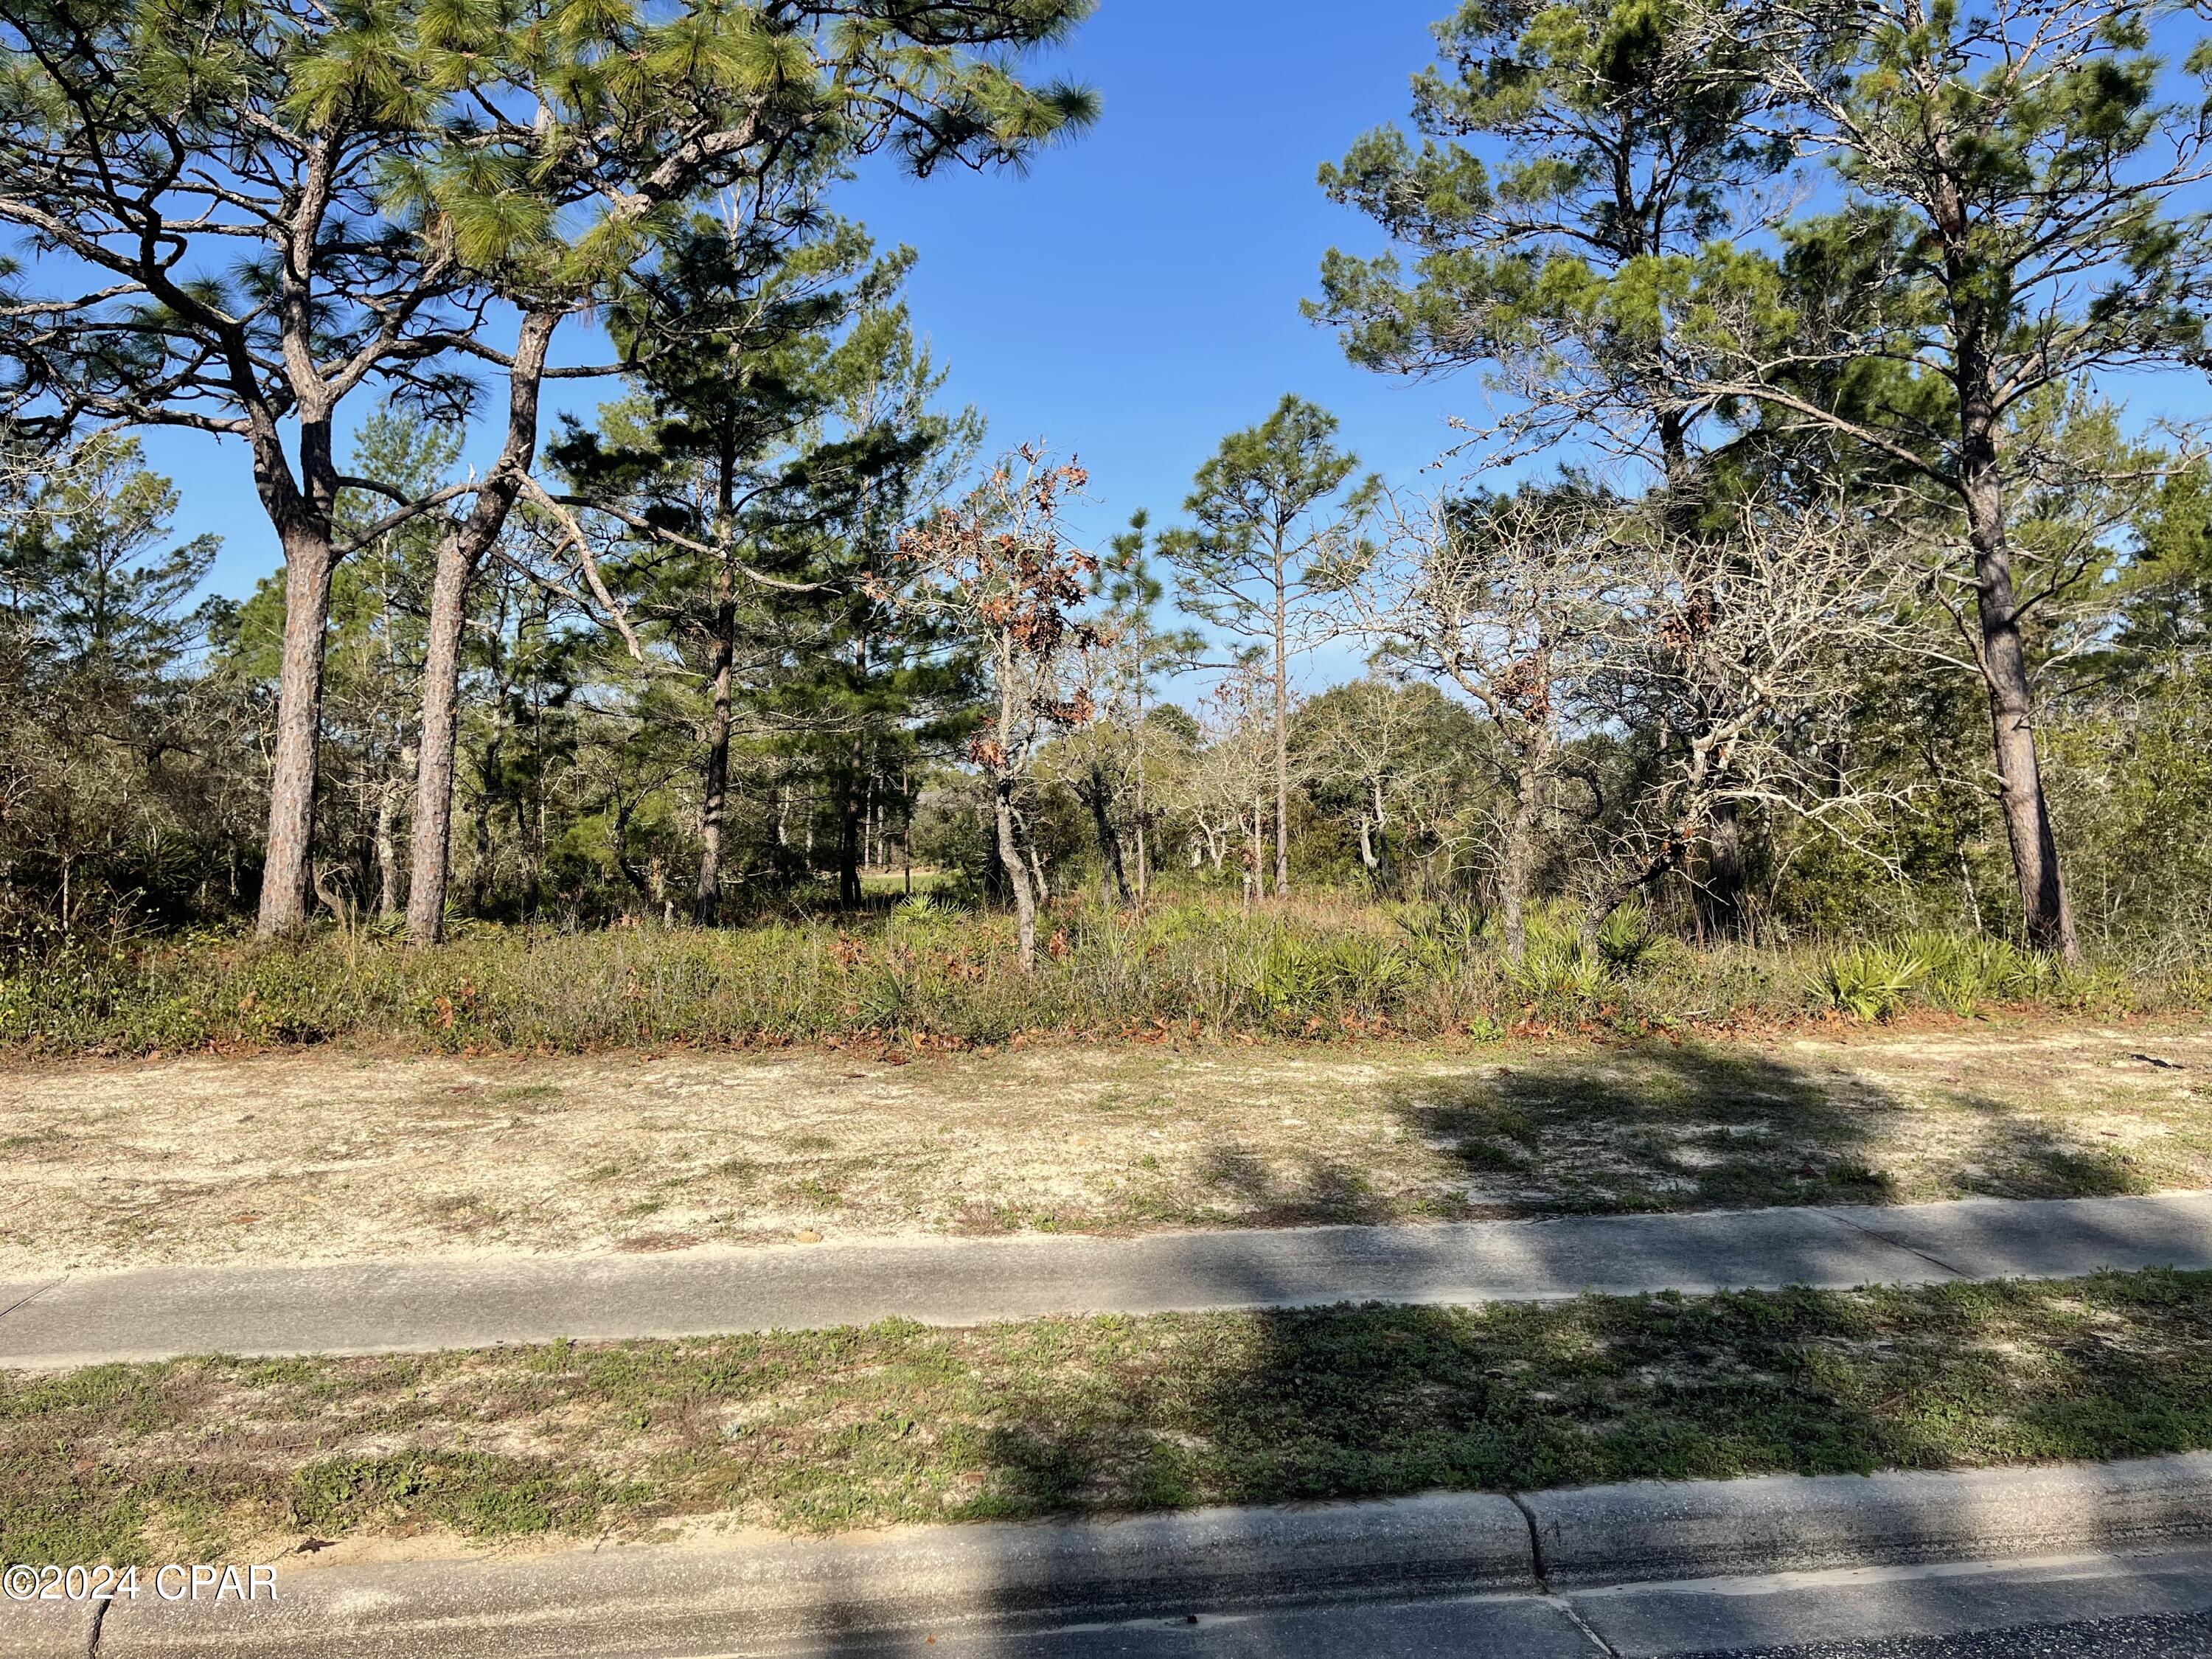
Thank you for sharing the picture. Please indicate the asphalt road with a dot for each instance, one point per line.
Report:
(2186, 1636)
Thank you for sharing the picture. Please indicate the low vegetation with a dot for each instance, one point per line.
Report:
(857, 1428)
(928, 972)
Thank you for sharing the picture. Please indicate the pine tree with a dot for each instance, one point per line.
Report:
(1273, 512)
(2011, 226)
(286, 204)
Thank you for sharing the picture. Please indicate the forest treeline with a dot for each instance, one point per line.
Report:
(1845, 585)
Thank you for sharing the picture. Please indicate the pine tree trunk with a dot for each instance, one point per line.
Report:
(387, 850)
(460, 555)
(707, 897)
(2046, 914)
(849, 811)
(429, 863)
(1282, 731)
(778, 836)
(286, 881)
(1720, 897)
(1255, 872)
(1144, 847)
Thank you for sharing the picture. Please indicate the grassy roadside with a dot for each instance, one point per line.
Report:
(897, 1423)
(321, 1154)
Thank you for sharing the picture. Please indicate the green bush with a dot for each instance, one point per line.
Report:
(1869, 982)
(1559, 970)
(1963, 975)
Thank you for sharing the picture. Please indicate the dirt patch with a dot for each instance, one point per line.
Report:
(320, 1155)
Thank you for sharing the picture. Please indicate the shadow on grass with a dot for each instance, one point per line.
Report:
(1094, 1418)
(1380, 1402)
(1666, 1126)
(1374, 1401)
(1322, 1190)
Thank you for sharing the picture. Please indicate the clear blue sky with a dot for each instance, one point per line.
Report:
(1136, 295)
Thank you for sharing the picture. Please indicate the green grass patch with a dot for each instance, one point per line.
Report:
(897, 1423)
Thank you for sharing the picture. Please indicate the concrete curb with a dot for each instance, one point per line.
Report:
(640, 1600)
(1650, 1530)
(644, 1600)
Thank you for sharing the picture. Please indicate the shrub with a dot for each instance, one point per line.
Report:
(1869, 981)
(1314, 967)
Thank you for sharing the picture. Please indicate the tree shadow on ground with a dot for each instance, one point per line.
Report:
(1660, 1126)
(1317, 1190)
(1292, 1407)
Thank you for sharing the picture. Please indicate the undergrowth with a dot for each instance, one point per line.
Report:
(933, 974)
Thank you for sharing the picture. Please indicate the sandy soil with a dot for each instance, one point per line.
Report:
(324, 1155)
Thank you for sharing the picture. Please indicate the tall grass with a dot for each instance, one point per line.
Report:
(1970, 975)
(932, 973)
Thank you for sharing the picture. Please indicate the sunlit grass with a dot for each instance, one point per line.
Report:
(897, 1423)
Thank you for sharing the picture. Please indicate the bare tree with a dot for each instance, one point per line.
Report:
(1730, 650)
(1225, 783)
(998, 566)
(1391, 753)
(1512, 599)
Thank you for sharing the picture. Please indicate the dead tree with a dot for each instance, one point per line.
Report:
(1722, 647)
(1510, 599)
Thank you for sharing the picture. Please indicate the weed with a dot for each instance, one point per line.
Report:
(1314, 968)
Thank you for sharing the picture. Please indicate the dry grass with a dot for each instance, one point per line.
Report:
(322, 1154)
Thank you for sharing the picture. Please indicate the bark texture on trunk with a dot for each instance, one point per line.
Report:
(1016, 873)
(459, 557)
(1100, 795)
(1282, 731)
(287, 884)
(1517, 859)
(1719, 898)
(849, 834)
(432, 838)
(2045, 912)
(387, 845)
(707, 896)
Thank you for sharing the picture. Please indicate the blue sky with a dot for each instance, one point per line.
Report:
(1136, 295)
